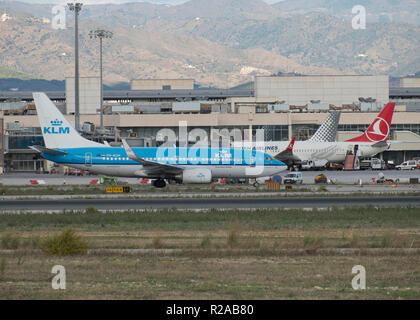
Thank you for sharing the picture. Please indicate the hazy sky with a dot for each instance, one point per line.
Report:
(115, 1)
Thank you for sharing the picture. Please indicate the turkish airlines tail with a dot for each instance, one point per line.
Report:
(291, 144)
(287, 155)
(380, 127)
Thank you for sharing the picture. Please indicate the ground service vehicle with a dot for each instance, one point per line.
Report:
(314, 164)
(321, 178)
(293, 178)
(372, 163)
(407, 165)
(390, 165)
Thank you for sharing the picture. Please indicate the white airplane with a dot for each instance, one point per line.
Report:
(325, 133)
(64, 145)
(373, 141)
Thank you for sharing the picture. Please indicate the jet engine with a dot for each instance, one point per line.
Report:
(195, 176)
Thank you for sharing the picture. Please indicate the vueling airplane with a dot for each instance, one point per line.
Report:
(64, 145)
(326, 133)
(373, 141)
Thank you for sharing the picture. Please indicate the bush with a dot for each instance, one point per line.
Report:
(322, 189)
(91, 210)
(65, 243)
(10, 241)
(313, 242)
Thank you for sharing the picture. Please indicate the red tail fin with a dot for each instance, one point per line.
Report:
(380, 127)
(291, 144)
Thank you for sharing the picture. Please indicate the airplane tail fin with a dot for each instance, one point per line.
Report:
(291, 144)
(380, 128)
(328, 130)
(287, 155)
(56, 130)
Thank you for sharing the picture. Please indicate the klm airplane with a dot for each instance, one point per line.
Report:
(64, 145)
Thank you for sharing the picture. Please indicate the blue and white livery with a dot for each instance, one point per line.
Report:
(64, 145)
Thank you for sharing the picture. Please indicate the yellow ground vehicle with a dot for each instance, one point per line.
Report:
(321, 178)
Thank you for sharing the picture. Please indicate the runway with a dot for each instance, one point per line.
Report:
(341, 177)
(206, 203)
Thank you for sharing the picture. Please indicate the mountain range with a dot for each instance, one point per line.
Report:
(402, 11)
(220, 43)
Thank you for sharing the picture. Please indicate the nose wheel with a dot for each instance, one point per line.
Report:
(159, 183)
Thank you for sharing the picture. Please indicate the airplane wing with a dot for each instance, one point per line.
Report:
(391, 142)
(152, 167)
(48, 151)
(287, 155)
(380, 144)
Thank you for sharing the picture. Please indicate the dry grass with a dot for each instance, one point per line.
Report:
(396, 239)
(206, 242)
(9, 241)
(313, 241)
(157, 242)
(245, 277)
(261, 255)
(354, 240)
(233, 236)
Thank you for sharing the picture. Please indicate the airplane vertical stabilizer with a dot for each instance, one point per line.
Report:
(380, 128)
(56, 130)
(328, 130)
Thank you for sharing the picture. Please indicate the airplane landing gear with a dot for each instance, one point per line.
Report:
(159, 183)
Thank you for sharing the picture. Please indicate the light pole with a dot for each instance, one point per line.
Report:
(101, 34)
(76, 7)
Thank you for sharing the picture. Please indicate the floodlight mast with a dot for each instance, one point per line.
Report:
(76, 7)
(101, 34)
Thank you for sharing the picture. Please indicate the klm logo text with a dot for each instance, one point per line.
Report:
(56, 128)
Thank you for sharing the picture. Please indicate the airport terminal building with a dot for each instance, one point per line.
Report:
(284, 106)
